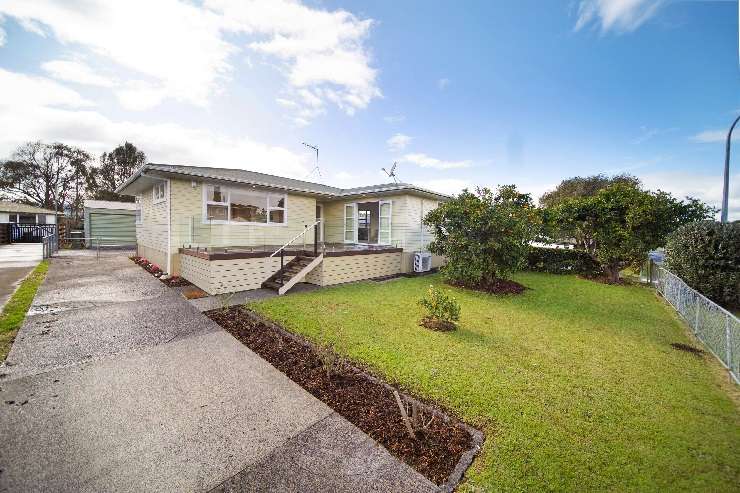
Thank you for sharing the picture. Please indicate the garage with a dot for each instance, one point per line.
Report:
(110, 223)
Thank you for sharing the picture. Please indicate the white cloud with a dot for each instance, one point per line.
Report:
(3, 37)
(443, 83)
(451, 186)
(647, 133)
(707, 188)
(179, 50)
(177, 47)
(712, 136)
(398, 142)
(616, 15)
(393, 119)
(77, 72)
(34, 108)
(425, 161)
(26, 91)
(321, 52)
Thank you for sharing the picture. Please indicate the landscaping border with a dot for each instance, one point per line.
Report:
(476, 436)
(15, 310)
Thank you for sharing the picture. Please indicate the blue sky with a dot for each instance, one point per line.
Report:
(459, 93)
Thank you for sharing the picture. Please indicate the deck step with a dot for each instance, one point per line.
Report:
(291, 273)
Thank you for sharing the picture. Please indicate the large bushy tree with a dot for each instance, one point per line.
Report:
(115, 168)
(620, 224)
(706, 255)
(485, 235)
(52, 176)
(584, 186)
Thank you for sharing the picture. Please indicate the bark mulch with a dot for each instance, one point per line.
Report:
(362, 399)
(175, 281)
(689, 349)
(498, 286)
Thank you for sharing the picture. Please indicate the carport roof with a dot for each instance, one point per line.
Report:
(7, 206)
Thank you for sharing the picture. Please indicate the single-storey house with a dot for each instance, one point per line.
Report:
(13, 212)
(22, 215)
(226, 230)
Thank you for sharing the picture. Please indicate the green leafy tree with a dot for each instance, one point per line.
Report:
(52, 176)
(584, 186)
(115, 168)
(485, 236)
(620, 224)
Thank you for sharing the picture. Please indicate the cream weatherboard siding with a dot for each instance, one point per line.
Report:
(351, 268)
(151, 233)
(228, 276)
(406, 217)
(189, 228)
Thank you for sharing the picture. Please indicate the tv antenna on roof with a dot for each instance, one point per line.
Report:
(316, 168)
(392, 172)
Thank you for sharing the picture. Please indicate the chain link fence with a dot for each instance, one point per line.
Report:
(717, 328)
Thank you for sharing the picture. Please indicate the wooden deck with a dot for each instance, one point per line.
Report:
(328, 249)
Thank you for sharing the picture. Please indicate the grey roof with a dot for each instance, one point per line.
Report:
(280, 182)
(6, 206)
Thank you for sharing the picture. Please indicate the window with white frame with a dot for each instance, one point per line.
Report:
(241, 206)
(159, 192)
(138, 210)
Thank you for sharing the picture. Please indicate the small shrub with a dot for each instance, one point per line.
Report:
(442, 310)
(706, 255)
(561, 261)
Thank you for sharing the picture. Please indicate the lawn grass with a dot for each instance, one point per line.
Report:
(574, 382)
(14, 311)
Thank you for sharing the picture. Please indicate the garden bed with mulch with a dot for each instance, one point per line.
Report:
(498, 286)
(156, 271)
(442, 448)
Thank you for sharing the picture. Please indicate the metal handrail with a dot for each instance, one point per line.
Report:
(318, 221)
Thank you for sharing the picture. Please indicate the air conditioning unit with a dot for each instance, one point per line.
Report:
(422, 262)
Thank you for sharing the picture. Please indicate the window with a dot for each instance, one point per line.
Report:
(40, 218)
(217, 206)
(27, 218)
(139, 219)
(239, 206)
(159, 192)
(13, 218)
(248, 207)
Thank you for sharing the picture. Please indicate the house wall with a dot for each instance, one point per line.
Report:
(189, 227)
(185, 206)
(406, 216)
(351, 268)
(151, 234)
(228, 276)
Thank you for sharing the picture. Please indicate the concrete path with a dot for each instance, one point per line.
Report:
(21, 254)
(10, 278)
(115, 383)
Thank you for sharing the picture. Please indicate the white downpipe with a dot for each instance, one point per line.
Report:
(169, 228)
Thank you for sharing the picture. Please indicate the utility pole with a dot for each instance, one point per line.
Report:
(725, 189)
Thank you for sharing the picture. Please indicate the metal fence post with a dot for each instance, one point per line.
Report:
(728, 349)
(696, 320)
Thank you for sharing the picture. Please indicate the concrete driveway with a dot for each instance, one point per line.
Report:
(115, 383)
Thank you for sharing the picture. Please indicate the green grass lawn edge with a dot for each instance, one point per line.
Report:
(574, 382)
(14, 311)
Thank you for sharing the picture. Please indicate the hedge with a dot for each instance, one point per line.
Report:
(561, 261)
(706, 255)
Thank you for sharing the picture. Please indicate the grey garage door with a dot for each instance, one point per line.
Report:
(119, 228)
